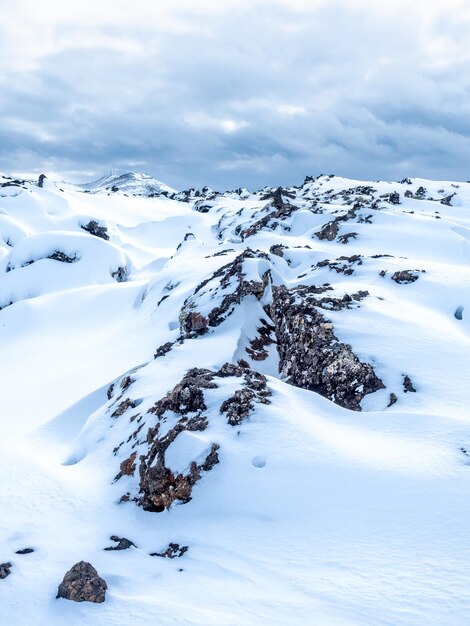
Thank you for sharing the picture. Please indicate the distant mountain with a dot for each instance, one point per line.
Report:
(131, 183)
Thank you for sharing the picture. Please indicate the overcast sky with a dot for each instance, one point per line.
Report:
(235, 93)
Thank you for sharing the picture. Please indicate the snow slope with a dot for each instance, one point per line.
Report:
(314, 514)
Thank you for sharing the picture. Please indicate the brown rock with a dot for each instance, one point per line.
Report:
(82, 584)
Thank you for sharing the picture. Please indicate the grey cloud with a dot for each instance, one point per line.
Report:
(247, 98)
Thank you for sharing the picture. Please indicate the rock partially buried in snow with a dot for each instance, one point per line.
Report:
(82, 584)
(5, 570)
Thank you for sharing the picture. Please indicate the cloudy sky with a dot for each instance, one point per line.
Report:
(231, 93)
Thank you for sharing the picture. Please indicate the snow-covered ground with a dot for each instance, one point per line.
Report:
(315, 514)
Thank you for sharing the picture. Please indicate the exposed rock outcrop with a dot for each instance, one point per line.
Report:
(227, 287)
(173, 551)
(122, 543)
(404, 277)
(93, 227)
(310, 354)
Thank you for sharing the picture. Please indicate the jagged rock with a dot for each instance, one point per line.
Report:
(239, 406)
(408, 194)
(163, 349)
(342, 265)
(124, 406)
(82, 584)
(196, 323)
(257, 348)
(394, 198)
(159, 486)
(120, 275)
(278, 249)
(186, 396)
(447, 200)
(173, 551)
(62, 257)
(5, 570)
(330, 230)
(420, 193)
(393, 399)
(95, 229)
(346, 237)
(281, 210)
(310, 354)
(404, 277)
(122, 543)
(126, 382)
(408, 385)
(127, 467)
(193, 323)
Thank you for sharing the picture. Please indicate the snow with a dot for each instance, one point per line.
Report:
(315, 514)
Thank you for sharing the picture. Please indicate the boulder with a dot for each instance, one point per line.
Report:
(82, 584)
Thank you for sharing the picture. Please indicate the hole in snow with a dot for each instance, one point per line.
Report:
(258, 461)
(458, 312)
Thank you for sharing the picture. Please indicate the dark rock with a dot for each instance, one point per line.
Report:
(5, 570)
(95, 229)
(240, 405)
(346, 237)
(281, 210)
(408, 385)
(404, 277)
(160, 487)
(173, 551)
(127, 467)
(124, 406)
(122, 543)
(62, 257)
(82, 584)
(41, 180)
(25, 551)
(310, 354)
(421, 193)
(447, 200)
(197, 323)
(193, 323)
(330, 230)
(126, 382)
(278, 249)
(408, 194)
(392, 400)
(120, 275)
(394, 198)
(163, 349)
(265, 337)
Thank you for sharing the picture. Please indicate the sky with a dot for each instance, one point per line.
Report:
(235, 93)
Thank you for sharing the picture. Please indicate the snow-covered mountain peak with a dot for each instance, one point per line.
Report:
(130, 183)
